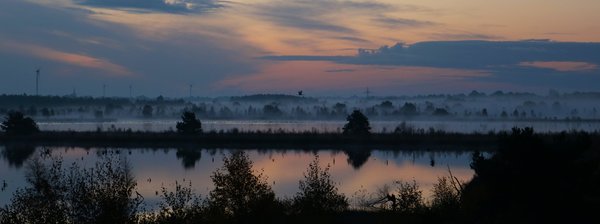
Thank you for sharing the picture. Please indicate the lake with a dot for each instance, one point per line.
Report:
(351, 170)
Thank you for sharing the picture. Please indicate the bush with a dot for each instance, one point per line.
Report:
(409, 109)
(147, 111)
(358, 124)
(16, 123)
(446, 194)
(441, 112)
(76, 195)
(409, 198)
(180, 206)
(318, 193)
(189, 124)
(239, 195)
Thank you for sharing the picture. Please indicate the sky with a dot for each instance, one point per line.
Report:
(323, 47)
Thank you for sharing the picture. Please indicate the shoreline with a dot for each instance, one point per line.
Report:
(260, 140)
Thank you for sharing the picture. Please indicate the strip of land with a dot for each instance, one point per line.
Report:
(274, 140)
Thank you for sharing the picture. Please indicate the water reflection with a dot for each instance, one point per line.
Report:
(16, 155)
(355, 169)
(357, 157)
(189, 157)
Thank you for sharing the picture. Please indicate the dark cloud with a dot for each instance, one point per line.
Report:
(312, 14)
(352, 39)
(463, 36)
(174, 6)
(340, 70)
(340, 59)
(529, 62)
(466, 54)
(401, 22)
(479, 54)
(305, 22)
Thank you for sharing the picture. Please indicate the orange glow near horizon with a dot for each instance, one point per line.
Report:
(562, 66)
(313, 75)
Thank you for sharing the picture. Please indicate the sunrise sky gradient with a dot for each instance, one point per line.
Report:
(324, 47)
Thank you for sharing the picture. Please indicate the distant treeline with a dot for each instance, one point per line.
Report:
(577, 107)
(12, 101)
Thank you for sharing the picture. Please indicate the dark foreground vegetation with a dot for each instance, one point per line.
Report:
(531, 178)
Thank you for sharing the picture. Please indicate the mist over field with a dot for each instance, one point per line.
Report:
(472, 112)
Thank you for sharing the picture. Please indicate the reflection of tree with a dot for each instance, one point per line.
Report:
(188, 157)
(357, 157)
(17, 154)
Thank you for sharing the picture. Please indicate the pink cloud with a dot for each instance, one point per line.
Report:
(562, 66)
(79, 60)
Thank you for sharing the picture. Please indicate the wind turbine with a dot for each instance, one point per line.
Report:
(37, 81)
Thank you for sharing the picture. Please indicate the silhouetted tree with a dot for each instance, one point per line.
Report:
(387, 104)
(102, 194)
(272, 110)
(484, 112)
(318, 193)
(339, 108)
(441, 112)
(147, 110)
(45, 112)
(181, 206)
(189, 124)
(358, 124)
(409, 198)
(405, 129)
(239, 195)
(535, 179)
(446, 194)
(15, 123)
(408, 109)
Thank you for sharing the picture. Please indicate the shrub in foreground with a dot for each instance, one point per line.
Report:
(102, 194)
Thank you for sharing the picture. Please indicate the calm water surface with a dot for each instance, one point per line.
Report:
(352, 171)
